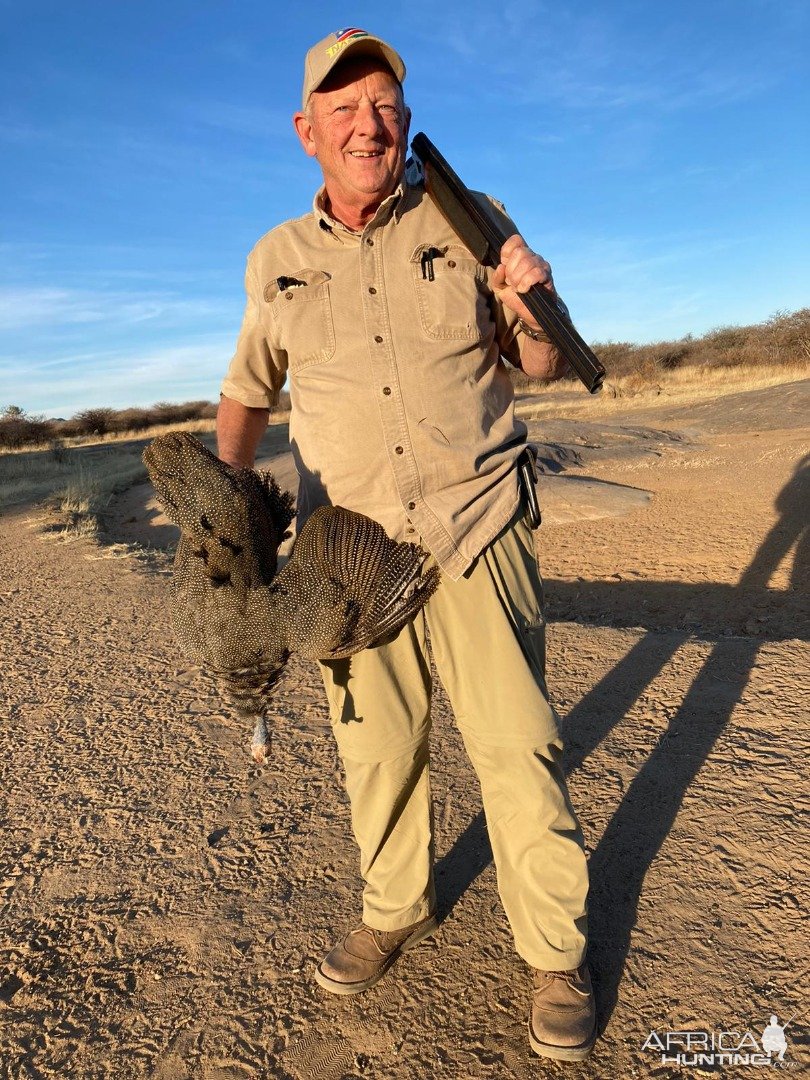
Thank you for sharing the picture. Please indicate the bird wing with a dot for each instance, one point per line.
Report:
(348, 585)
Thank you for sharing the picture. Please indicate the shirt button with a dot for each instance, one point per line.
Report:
(398, 450)
(288, 295)
(377, 338)
(370, 242)
(372, 290)
(386, 390)
(411, 505)
(451, 263)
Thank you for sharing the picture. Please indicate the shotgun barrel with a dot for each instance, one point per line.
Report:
(477, 228)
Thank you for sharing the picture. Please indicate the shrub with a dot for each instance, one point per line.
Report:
(132, 420)
(19, 429)
(92, 422)
(165, 412)
(782, 339)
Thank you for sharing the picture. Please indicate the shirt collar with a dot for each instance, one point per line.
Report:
(395, 204)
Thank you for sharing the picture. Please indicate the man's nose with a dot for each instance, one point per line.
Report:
(369, 119)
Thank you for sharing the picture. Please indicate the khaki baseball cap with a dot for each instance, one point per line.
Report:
(324, 56)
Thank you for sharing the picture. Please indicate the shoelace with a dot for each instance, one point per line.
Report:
(377, 936)
(571, 977)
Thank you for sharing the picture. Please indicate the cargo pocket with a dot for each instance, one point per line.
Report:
(302, 309)
(532, 625)
(448, 284)
(534, 644)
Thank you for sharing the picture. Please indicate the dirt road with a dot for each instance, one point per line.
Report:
(164, 900)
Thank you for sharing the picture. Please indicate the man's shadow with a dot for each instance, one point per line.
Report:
(649, 806)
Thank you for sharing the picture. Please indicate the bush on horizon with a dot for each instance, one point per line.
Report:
(18, 428)
(782, 339)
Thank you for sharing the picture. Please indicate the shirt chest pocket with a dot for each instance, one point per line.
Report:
(302, 309)
(449, 295)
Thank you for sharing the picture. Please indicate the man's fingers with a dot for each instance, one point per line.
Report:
(523, 267)
(530, 274)
(511, 245)
(499, 277)
(518, 270)
(526, 274)
(526, 262)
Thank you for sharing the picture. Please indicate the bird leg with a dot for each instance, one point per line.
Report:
(260, 743)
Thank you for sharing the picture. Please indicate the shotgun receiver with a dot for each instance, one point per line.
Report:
(482, 234)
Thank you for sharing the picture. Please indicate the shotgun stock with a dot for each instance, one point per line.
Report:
(482, 234)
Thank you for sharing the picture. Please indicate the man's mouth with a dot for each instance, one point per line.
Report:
(365, 153)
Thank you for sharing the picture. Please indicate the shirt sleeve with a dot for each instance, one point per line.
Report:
(258, 368)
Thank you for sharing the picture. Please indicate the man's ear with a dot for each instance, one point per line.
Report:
(407, 122)
(303, 129)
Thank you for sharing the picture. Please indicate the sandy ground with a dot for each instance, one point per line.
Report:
(164, 899)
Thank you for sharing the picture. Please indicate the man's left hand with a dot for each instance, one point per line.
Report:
(518, 270)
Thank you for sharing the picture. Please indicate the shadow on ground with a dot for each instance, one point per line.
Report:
(650, 804)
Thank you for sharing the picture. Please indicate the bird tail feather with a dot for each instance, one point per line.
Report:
(384, 578)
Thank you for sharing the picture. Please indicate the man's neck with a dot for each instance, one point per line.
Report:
(354, 216)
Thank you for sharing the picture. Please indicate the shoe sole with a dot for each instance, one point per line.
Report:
(562, 1053)
(335, 987)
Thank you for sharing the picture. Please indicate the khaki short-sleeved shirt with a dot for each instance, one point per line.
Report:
(402, 408)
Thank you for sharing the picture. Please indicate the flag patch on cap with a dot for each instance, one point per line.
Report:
(350, 32)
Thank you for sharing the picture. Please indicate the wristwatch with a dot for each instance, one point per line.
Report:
(530, 332)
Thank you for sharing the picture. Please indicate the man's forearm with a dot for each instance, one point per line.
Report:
(542, 360)
(239, 432)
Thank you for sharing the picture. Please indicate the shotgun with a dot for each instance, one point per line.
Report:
(482, 234)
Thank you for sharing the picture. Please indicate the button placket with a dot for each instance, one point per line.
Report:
(384, 369)
(374, 308)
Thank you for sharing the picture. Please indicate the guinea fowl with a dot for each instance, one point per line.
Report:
(346, 586)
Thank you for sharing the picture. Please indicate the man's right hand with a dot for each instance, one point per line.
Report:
(239, 432)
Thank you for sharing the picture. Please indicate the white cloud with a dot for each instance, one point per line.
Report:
(35, 308)
(121, 378)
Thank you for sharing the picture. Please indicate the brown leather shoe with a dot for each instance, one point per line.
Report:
(364, 956)
(562, 1024)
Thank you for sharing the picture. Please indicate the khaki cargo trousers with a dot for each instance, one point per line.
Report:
(486, 633)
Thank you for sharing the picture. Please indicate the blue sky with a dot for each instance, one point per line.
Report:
(656, 154)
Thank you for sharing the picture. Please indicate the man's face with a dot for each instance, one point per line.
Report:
(356, 125)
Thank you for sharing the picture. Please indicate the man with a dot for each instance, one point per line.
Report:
(391, 336)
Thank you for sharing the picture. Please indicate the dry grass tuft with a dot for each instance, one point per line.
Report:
(73, 486)
(73, 481)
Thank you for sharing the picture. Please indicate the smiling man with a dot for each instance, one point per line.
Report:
(393, 340)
